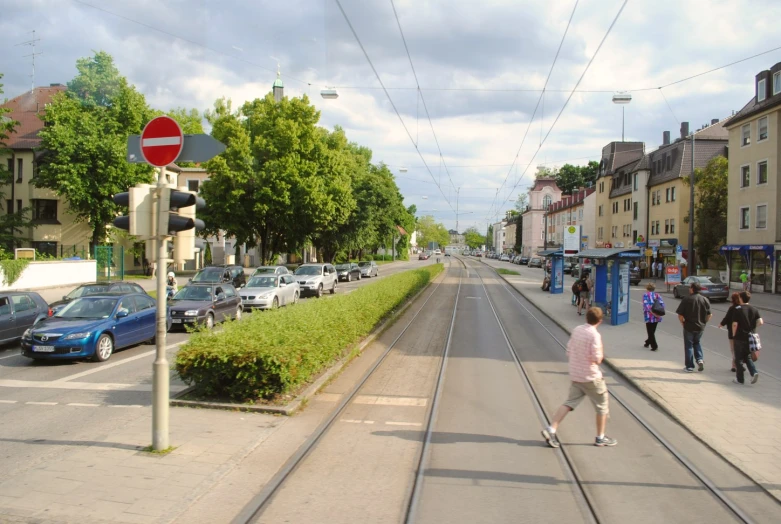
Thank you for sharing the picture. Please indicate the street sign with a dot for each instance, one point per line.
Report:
(196, 148)
(672, 275)
(161, 141)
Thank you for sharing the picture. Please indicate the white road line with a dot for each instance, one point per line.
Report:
(81, 405)
(98, 369)
(390, 401)
(125, 406)
(368, 422)
(11, 356)
(8, 401)
(86, 386)
(351, 421)
(474, 298)
(162, 141)
(41, 403)
(391, 423)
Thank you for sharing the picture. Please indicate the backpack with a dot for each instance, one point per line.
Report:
(576, 287)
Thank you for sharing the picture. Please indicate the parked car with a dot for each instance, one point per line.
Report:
(94, 327)
(423, 256)
(348, 272)
(504, 258)
(97, 288)
(221, 274)
(270, 270)
(205, 304)
(634, 276)
(479, 254)
(19, 311)
(316, 278)
(524, 260)
(369, 268)
(535, 262)
(270, 292)
(711, 289)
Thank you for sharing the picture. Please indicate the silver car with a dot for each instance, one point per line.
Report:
(710, 288)
(369, 269)
(315, 279)
(270, 292)
(270, 270)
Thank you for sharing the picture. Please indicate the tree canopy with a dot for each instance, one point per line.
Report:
(473, 238)
(710, 209)
(429, 230)
(569, 178)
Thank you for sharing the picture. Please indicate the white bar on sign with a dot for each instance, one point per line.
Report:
(162, 141)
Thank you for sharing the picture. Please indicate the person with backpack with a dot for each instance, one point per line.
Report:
(575, 292)
(653, 311)
(584, 289)
(745, 321)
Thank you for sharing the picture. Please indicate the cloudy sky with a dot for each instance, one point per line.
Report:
(480, 67)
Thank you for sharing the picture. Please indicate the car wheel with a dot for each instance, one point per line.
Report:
(319, 291)
(209, 321)
(349, 278)
(237, 316)
(295, 298)
(104, 348)
(333, 289)
(275, 304)
(675, 292)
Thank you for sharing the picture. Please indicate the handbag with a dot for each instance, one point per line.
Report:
(657, 308)
(754, 346)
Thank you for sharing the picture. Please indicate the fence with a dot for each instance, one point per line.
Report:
(110, 262)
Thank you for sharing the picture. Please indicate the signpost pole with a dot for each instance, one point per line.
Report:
(160, 369)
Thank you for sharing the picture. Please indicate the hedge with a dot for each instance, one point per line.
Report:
(275, 352)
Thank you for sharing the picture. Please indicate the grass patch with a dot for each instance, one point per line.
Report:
(166, 451)
(503, 271)
(268, 356)
(152, 293)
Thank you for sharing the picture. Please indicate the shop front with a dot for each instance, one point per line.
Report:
(759, 261)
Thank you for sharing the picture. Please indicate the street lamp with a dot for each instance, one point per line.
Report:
(329, 93)
(622, 99)
(403, 169)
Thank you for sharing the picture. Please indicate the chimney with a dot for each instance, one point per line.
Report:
(666, 138)
(714, 121)
(684, 129)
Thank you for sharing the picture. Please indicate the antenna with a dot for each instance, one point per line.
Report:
(32, 56)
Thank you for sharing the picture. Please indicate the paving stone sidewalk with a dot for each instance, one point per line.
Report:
(742, 423)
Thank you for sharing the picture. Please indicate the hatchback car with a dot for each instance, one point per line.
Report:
(711, 289)
(535, 262)
(270, 292)
(93, 327)
(205, 304)
(369, 269)
(221, 274)
(524, 260)
(20, 310)
(423, 256)
(97, 288)
(348, 272)
(270, 270)
(504, 258)
(314, 279)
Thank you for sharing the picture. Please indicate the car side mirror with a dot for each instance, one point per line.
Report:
(65, 297)
(189, 280)
(122, 313)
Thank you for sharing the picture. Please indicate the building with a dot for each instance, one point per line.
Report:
(614, 209)
(500, 235)
(569, 211)
(511, 224)
(542, 195)
(456, 238)
(56, 231)
(753, 219)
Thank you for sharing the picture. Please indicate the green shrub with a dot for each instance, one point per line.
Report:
(12, 269)
(275, 352)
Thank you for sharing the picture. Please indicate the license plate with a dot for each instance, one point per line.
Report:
(43, 349)
(176, 320)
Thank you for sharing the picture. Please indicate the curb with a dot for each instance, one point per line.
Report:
(295, 405)
(653, 397)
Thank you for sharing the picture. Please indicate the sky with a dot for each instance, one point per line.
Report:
(471, 116)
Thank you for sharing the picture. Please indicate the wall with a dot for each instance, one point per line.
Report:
(590, 219)
(41, 275)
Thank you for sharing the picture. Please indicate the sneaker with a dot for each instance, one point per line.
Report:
(646, 344)
(605, 441)
(735, 381)
(655, 349)
(755, 378)
(700, 365)
(551, 438)
(689, 370)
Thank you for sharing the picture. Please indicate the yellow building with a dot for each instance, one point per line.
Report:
(614, 209)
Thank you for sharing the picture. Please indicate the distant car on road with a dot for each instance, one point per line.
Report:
(524, 260)
(711, 289)
(535, 262)
(314, 279)
(205, 304)
(270, 292)
(19, 311)
(369, 268)
(423, 256)
(348, 272)
(97, 288)
(504, 258)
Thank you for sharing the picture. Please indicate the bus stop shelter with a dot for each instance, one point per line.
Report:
(557, 269)
(611, 281)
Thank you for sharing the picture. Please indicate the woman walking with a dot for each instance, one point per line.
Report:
(585, 293)
(726, 322)
(651, 318)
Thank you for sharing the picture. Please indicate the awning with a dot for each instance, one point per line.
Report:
(614, 252)
(550, 253)
(744, 249)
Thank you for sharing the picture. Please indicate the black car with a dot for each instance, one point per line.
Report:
(524, 260)
(205, 304)
(221, 274)
(348, 272)
(19, 311)
(98, 288)
(634, 276)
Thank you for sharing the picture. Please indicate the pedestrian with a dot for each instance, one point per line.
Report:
(154, 268)
(694, 313)
(643, 267)
(576, 292)
(584, 292)
(744, 280)
(745, 321)
(585, 354)
(651, 318)
(726, 322)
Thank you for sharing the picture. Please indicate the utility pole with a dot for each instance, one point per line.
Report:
(690, 258)
(32, 56)
(458, 190)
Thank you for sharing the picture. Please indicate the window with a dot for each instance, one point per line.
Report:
(669, 160)
(144, 302)
(9, 206)
(22, 303)
(19, 169)
(546, 201)
(761, 91)
(11, 166)
(18, 205)
(746, 130)
(667, 191)
(762, 173)
(634, 187)
(601, 210)
(580, 214)
(745, 213)
(44, 210)
(193, 185)
(672, 226)
(46, 248)
(762, 216)
(614, 231)
(762, 129)
(745, 176)
(636, 211)
(599, 234)
(615, 207)
(777, 83)
(672, 194)
(658, 196)
(666, 227)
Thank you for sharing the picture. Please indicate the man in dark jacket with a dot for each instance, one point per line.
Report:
(745, 320)
(694, 314)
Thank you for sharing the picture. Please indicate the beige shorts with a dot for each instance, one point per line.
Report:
(596, 391)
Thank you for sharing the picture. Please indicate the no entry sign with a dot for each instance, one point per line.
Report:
(161, 141)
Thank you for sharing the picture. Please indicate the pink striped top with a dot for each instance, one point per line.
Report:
(584, 350)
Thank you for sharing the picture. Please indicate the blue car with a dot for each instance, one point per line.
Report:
(93, 327)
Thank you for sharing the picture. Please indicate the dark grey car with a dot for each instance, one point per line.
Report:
(712, 290)
(205, 304)
(348, 272)
(19, 311)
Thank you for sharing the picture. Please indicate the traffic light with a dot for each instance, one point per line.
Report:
(184, 241)
(139, 218)
(171, 220)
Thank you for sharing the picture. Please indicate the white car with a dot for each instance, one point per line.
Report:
(315, 279)
(270, 292)
(505, 258)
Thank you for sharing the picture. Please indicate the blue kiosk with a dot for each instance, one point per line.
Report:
(557, 269)
(611, 280)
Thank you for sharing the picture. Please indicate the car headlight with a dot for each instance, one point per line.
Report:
(191, 313)
(28, 333)
(74, 336)
(266, 294)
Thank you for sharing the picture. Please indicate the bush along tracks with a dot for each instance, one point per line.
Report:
(275, 352)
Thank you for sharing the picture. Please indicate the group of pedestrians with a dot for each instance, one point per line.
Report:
(741, 322)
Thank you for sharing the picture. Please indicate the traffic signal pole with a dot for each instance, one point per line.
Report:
(160, 369)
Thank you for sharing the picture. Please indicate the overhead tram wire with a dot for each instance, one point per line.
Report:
(422, 98)
(395, 109)
(539, 100)
(601, 43)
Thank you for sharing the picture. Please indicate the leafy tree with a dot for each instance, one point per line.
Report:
(569, 178)
(473, 238)
(545, 172)
(519, 234)
(521, 202)
(85, 141)
(430, 230)
(207, 254)
(710, 209)
(590, 172)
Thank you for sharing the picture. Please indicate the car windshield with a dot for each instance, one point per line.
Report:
(262, 282)
(309, 270)
(264, 271)
(83, 291)
(705, 280)
(364, 264)
(203, 293)
(342, 267)
(209, 275)
(88, 308)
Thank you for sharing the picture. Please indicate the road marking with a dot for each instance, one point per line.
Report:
(125, 406)
(11, 356)
(81, 405)
(390, 401)
(8, 401)
(391, 423)
(351, 421)
(98, 369)
(87, 386)
(475, 298)
(41, 403)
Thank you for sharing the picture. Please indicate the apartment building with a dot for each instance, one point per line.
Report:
(542, 195)
(614, 200)
(571, 210)
(753, 219)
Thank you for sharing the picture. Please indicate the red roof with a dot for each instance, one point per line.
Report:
(25, 110)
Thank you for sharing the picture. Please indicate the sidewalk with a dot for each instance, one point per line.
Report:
(742, 423)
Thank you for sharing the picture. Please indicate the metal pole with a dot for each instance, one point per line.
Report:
(690, 258)
(545, 242)
(458, 190)
(160, 369)
(622, 123)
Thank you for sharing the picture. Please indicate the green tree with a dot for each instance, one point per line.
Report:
(545, 172)
(191, 123)
(429, 230)
(473, 238)
(207, 254)
(590, 172)
(518, 234)
(710, 209)
(569, 178)
(84, 142)
(521, 202)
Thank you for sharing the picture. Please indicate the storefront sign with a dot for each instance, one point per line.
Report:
(608, 245)
(653, 243)
(672, 275)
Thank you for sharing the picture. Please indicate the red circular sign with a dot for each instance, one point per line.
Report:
(161, 141)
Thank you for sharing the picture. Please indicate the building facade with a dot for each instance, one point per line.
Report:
(613, 218)
(542, 195)
(569, 211)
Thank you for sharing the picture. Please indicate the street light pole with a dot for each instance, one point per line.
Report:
(458, 190)
(623, 99)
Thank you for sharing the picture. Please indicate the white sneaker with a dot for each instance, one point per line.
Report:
(735, 381)
(755, 378)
